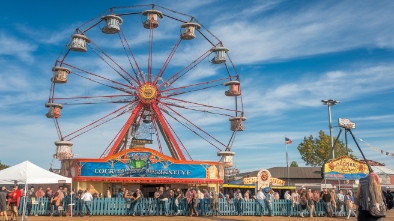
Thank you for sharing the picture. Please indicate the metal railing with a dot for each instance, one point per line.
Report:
(150, 206)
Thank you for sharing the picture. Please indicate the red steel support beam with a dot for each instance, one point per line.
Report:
(167, 131)
(125, 129)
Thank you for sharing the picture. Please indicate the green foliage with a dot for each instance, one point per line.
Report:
(293, 164)
(3, 166)
(315, 152)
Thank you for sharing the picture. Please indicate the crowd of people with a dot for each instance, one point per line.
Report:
(191, 201)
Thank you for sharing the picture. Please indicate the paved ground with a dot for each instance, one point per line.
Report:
(390, 217)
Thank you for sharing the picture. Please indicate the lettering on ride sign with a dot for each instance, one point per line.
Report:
(147, 171)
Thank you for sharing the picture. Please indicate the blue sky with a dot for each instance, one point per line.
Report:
(289, 54)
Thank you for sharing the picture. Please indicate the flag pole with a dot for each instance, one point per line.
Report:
(287, 162)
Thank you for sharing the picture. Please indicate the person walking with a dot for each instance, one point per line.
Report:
(189, 200)
(238, 202)
(269, 199)
(350, 204)
(164, 200)
(40, 194)
(316, 200)
(128, 198)
(55, 202)
(137, 198)
(303, 201)
(214, 203)
(295, 200)
(326, 197)
(178, 201)
(287, 198)
(29, 198)
(86, 199)
(340, 203)
(3, 202)
(13, 201)
(333, 202)
(156, 198)
(261, 201)
(311, 204)
(194, 202)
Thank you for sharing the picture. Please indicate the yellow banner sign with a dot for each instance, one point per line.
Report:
(277, 181)
(252, 180)
(249, 180)
(345, 168)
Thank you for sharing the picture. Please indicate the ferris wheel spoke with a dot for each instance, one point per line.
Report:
(191, 123)
(190, 127)
(185, 70)
(203, 109)
(126, 90)
(162, 70)
(138, 73)
(94, 99)
(113, 64)
(211, 82)
(100, 79)
(181, 92)
(151, 31)
(113, 115)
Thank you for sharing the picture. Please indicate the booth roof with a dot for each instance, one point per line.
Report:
(29, 173)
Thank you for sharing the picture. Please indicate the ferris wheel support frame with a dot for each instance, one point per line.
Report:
(170, 139)
(125, 129)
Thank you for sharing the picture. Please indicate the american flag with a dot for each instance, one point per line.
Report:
(288, 140)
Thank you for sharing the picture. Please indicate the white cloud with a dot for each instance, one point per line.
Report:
(308, 90)
(16, 47)
(304, 30)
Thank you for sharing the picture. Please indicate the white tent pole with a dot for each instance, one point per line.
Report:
(24, 201)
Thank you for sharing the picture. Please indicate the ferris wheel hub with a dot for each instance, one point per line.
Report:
(147, 93)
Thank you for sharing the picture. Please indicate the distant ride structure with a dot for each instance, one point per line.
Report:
(163, 79)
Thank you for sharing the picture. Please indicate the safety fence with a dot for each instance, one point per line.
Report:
(150, 206)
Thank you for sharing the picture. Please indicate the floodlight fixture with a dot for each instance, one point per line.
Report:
(346, 123)
(330, 102)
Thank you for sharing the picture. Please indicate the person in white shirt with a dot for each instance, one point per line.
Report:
(295, 200)
(86, 202)
(341, 203)
(238, 202)
(260, 200)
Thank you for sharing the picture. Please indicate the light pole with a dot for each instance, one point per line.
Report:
(330, 103)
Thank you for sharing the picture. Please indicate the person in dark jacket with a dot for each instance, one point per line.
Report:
(3, 202)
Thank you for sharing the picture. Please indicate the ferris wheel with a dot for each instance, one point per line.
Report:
(157, 75)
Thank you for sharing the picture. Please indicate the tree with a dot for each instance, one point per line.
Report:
(3, 166)
(293, 164)
(315, 152)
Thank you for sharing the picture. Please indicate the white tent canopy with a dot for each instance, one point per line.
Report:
(29, 173)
